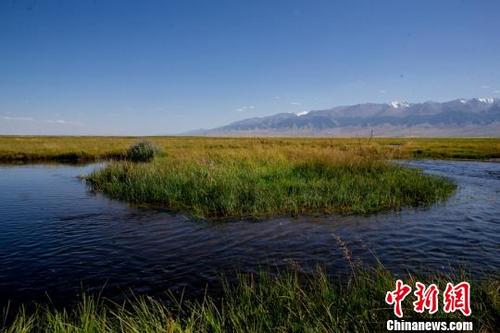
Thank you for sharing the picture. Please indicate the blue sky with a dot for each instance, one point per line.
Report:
(165, 67)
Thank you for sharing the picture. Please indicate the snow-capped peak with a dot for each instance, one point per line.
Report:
(463, 101)
(486, 100)
(397, 104)
(303, 113)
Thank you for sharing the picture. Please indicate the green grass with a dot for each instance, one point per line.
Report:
(258, 183)
(287, 302)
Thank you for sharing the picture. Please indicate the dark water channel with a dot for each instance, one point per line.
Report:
(57, 238)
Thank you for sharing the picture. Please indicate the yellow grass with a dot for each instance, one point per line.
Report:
(70, 148)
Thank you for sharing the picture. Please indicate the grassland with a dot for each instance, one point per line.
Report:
(16, 149)
(287, 302)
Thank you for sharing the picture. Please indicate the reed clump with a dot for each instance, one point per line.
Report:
(142, 151)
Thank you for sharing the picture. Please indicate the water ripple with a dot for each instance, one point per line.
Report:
(57, 237)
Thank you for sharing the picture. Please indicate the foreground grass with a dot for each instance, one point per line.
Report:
(258, 182)
(75, 149)
(287, 302)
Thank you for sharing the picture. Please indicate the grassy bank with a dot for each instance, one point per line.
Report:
(73, 149)
(258, 181)
(265, 303)
(29, 149)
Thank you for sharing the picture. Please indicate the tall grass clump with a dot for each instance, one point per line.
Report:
(255, 182)
(142, 151)
(264, 302)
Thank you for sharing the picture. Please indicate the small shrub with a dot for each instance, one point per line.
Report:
(142, 151)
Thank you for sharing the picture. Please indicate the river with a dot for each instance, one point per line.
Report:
(58, 239)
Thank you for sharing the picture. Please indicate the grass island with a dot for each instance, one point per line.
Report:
(259, 182)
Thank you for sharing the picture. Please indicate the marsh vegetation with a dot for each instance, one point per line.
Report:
(91, 148)
(142, 151)
(286, 302)
(260, 181)
(223, 178)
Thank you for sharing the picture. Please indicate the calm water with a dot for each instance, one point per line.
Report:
(57, 238)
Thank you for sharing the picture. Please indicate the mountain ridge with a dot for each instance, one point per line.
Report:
(458, 117)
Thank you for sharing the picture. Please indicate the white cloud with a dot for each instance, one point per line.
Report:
(56, 121)
(294, 103)
(62, 122)
(18, 118)
(485, 86)
(382, 91)
(31, 119)
(245, 108)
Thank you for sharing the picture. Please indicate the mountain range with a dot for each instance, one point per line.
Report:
(460, 117)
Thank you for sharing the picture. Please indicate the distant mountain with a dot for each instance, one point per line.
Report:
(460, 117)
